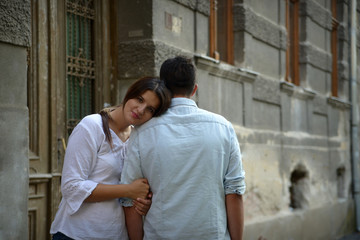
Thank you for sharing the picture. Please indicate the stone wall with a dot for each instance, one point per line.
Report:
(14, 41)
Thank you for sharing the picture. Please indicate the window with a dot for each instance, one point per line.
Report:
(221, 30)
(80, 60)
(334, 43)
(292, 52)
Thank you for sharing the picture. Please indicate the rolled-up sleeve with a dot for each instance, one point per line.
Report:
(132, 165)
(80, 157)
(234, 182)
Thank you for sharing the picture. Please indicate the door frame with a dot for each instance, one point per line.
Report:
(47, 99)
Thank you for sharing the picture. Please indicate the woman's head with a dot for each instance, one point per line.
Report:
(154, 85)
(150, 91)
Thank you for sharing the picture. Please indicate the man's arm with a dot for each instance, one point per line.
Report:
(235, 215)
(134, 223)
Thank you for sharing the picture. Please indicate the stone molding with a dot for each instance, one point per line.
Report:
(202, 6)
(15, 26)
(245, 19)
(309, 54)
(144, 57)
(316, 12)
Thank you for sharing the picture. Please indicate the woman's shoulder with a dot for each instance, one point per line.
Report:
(92, 118)
(91, 121)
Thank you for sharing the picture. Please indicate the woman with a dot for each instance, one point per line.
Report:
(93, 163)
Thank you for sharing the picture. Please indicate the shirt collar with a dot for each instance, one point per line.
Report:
(182, 101)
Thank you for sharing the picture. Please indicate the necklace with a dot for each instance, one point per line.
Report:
(124, 135)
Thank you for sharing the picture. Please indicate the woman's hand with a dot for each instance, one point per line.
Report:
(139, 188)
(142, 206)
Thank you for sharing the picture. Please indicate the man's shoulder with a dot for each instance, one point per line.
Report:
(149, 124)
(200, 115)
(211, 116)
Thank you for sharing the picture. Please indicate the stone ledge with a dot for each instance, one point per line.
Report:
(338, 103)
(224, 70)
(297, 91)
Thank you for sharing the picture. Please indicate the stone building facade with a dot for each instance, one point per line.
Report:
(284, 72)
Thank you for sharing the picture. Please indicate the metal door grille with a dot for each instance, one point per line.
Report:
(80, 64)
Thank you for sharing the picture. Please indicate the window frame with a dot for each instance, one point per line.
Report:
(334, 49)
(292, 27)
(213, 25)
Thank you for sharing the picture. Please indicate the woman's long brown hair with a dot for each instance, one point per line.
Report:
(105, 117)
(136, 89)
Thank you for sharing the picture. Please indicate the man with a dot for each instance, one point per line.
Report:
(192, 160)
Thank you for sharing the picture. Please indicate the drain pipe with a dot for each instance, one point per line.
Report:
(354, 117)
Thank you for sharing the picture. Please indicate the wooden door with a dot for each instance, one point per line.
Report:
(69, 77)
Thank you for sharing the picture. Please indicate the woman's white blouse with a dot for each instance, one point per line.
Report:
(89, 160)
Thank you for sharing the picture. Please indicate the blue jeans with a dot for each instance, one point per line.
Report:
(60, 236)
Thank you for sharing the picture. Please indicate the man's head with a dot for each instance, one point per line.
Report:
(179, 76)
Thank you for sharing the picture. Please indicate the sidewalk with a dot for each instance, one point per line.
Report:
(353, 236)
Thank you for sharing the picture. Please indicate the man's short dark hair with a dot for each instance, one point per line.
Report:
(178, 74)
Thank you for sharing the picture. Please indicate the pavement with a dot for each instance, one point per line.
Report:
(353, 236)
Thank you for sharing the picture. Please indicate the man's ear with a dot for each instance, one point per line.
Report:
(195, 89)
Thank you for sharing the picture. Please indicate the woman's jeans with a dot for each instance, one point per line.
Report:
(60, 236)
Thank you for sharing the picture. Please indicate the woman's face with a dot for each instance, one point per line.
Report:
(141, 109)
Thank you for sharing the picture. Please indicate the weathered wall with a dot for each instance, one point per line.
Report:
(294, 129)
(14, 40)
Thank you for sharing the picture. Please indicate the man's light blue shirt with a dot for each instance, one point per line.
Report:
(191, 158)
